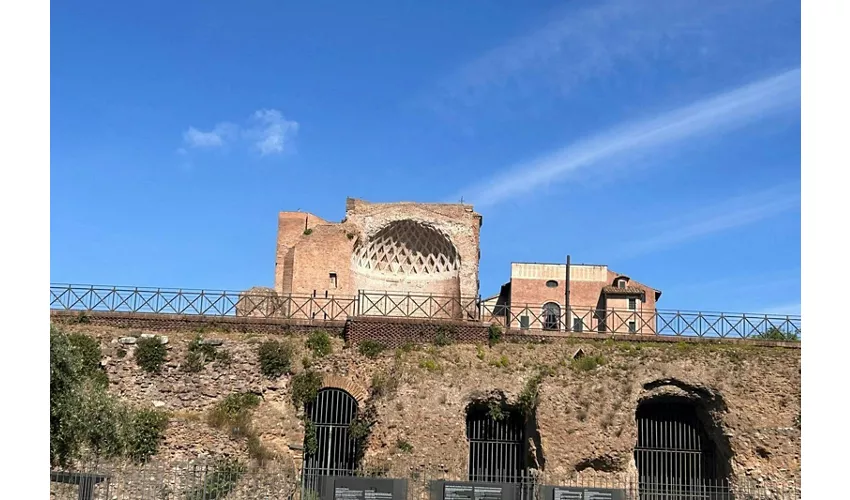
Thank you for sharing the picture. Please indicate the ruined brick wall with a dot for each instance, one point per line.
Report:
(306, 259)
(585, 419)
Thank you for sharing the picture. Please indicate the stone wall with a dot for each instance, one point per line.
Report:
(585, 419)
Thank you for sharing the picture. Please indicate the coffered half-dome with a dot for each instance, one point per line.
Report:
(407, 248)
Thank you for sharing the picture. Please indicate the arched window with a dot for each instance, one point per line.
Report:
(675, 457)
(329, 450)
(551, 316)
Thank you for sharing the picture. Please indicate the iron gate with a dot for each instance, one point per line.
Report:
(335, 452)
(497, 448)
(674, 456)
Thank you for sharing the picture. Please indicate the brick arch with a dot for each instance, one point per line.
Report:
(356, 390)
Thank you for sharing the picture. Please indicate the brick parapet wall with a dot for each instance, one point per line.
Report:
(186, 322)
(392, 332)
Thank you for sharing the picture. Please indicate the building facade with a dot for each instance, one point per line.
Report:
(389, 256)
(593, 298)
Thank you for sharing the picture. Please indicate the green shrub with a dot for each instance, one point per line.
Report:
(587, 363)
(234, 413)
(193, 363)
(530, 395)
(494, 334)
(444, 337)
(320, 343)
(87, 351)
(774, 333)
(275, 358)
(479, 352)
(311, 442)
(370, 348)
(308, 232)
(150, 354)
(220, 481)
(305, 387)
(147, 430)
(496, 410)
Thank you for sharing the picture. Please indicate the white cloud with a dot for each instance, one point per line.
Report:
(272, 133)
(594, 41)
(215, 138)
(267, 130)
(721, 112)
(722, 216)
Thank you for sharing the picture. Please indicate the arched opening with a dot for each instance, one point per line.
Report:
(497, 443)
(329, 449)
(551, 316)
(675, 456)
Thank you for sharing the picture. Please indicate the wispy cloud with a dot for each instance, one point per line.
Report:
(722, 216)
(721, 112)
(215, 138)
(267, 131)
(590, 40)
(272, 133)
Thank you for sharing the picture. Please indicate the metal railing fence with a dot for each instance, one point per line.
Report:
(324, 307)
(234, 480)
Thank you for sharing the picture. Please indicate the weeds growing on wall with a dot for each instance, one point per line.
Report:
(370, 348)
(150, 354)
(275, 358)
(320, 343)
(494, 334)
(234, 413)
(200, 353)
(85, 420)
(305, 387)
(587, 363)
(445, 336)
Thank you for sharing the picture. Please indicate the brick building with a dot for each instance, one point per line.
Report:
(599, 299)
(380, 253)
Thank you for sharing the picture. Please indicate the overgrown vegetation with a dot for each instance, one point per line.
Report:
(308, 232)
(150, 354)
(529, 397)
(445, 336)
(275, 358)
(221, 481)
(587, 363)
(774, 333)
(87, 350)
(305, 387)
(494, 334)
(200, 353)
(234, 413)
(500, 362)
(430, 364)
(370, 348)
(320, 343)
(84, 419)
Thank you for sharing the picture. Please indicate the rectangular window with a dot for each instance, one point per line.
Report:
(632, 327)
(632, 304)
(332, 277)
(578, 325)
(523, 322)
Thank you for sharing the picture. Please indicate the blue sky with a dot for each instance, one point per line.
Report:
(659, 137)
